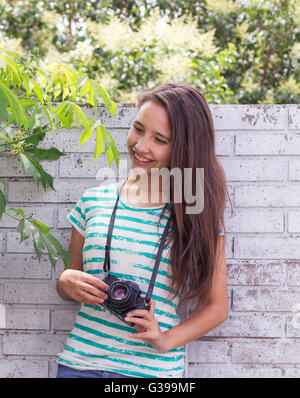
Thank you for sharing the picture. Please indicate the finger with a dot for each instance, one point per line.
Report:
(92, 290)
(98, 283)
(152, 307)
(139, 321)
(142, 335)
(87, 298)
(142, 313)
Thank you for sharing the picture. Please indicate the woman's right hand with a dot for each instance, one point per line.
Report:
(83, 287)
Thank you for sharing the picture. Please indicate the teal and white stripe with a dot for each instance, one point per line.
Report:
(98, 339)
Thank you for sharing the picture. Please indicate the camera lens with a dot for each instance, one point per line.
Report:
(119, 292)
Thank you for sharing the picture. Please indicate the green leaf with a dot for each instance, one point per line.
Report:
(3, 182)
(38, 173)
(110, 147)
(16, 106)
(2, 203)
(23, 230)
(35, 118)
(39, 224)
(65, 255)
(18, 211)
(3, 110)
(99, 143)
(38, 92)
(101, 92)
(51, 252)
(38, 241)
(46, 154)
(38, 136)
(86, 135)
(88, 88)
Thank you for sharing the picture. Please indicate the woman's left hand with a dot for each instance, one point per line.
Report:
(147, 328)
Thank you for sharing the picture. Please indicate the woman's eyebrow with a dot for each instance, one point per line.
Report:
(156, 132)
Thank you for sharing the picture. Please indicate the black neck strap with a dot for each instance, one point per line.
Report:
(106, 264)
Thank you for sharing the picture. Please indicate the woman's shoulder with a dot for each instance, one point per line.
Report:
(102, 189)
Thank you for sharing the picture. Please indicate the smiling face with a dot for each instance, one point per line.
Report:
(149, 138)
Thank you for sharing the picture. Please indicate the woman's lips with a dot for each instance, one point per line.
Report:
(140, 162)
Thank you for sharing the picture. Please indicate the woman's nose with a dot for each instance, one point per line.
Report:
(143, 145)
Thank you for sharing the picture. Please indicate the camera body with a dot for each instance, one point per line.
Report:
(123, 297)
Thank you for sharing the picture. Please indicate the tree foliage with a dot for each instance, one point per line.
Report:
(257, 44)
(27, 95)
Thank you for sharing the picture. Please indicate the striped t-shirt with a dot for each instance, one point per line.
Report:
(99, 340)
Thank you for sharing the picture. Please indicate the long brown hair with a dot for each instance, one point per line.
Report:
(194, 237)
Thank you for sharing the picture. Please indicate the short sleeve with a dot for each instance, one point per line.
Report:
(77, 216)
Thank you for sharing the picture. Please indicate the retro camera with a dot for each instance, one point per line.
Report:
(123, 297)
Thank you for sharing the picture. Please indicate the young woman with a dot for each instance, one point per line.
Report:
(172, 129)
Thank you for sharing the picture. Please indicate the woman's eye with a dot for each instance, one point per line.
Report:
(157, 139)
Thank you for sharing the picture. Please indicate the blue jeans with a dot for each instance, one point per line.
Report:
(66, 372)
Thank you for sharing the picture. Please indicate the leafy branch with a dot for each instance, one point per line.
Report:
(29, 95)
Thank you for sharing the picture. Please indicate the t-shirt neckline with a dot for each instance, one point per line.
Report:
(136, 208)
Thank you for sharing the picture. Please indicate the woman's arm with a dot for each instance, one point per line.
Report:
(74, 283)
(201, 320)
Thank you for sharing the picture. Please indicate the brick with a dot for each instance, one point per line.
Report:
(62, 220)
(208, 351)
(233, 371)
(255, 272)
(293, 324)
(67, 142)
(123, 118)
(264, 299)
(250, 325)
(83, 165)
(63, 319)
(266, 351)
(251, 117)
(224, 143)
(14, 245)
(2, 241)
(16, 368)
(66, 191)
(31, 293)
(44, 214)
(27, 318)
(11, 166)
(229, 246)
(259, 169)
(293, 273)
(267, 144)
(25, 266)
(255, 220)
(292, 372)
(294, 170)
(294, 117)
(267, 195)
(293, 221)
(286, 248)
(33, 344)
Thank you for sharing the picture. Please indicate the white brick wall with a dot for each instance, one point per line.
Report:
(259, 148)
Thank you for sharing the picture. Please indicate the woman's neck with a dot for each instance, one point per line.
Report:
(141, 192)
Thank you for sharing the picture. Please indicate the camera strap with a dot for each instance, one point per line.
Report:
(106, 264)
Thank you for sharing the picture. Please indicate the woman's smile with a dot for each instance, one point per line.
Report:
(141, 160)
